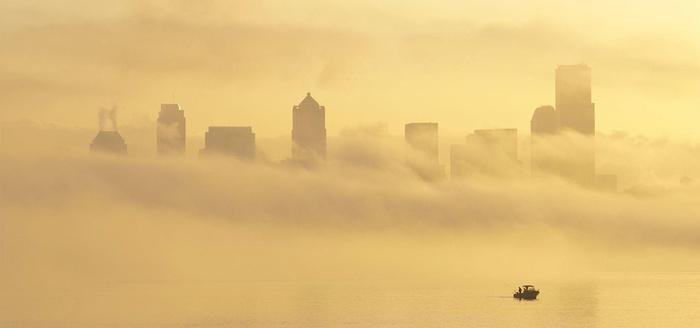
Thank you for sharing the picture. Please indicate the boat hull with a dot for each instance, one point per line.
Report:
(527, 295)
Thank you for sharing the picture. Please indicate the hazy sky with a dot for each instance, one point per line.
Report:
(466, 65)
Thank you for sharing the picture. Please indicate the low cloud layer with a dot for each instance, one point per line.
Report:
(76, 219)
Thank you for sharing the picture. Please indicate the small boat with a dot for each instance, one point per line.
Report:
(527, 292)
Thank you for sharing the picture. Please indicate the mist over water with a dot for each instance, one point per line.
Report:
(139, 242)
(614, 300)
(69, 218)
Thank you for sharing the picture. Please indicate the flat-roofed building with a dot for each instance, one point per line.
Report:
(235, 141)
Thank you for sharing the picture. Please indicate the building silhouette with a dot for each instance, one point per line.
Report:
(171, 131)
(544, 126)
(544, 121)
(108, 142)
(573, 99)
(576, 114)
(235, 141)
(308, 131)
(563, 138)
(422, 153)
(489, 153)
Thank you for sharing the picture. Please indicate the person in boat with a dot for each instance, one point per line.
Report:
(520, 290)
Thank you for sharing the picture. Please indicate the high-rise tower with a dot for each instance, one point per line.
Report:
(308, 130)
(573, 99)
(543, 128)
(576, 113)
(171, 130)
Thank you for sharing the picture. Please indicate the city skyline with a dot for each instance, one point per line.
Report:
(465, 73)
(487, 152)
(453, 160)
(364, 163)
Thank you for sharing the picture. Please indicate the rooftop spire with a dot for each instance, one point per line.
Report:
(309, 101)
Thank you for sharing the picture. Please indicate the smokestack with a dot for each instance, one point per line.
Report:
(113, 117)
(104, 115)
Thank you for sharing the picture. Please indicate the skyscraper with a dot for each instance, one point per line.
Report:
(576, 113)
(236, 141)
(308, 131)
(544, 121)
(171, 130)
(543, 128)
(573, 99)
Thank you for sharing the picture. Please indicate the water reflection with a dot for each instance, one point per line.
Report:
(616, 301)
(577, 304)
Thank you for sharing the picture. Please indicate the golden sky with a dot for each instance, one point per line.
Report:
(465, 65)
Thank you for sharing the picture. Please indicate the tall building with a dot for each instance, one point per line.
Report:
(108, 142)
(171, 130)
(236, 141)
(573, 99)
(543, 129)
(576, 113)
(544, 121)
(308, 131)
(489, 153)
(563, 139)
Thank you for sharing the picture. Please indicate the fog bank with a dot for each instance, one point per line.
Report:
(73, 218)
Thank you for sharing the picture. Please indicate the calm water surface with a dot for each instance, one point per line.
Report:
(611, 300)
